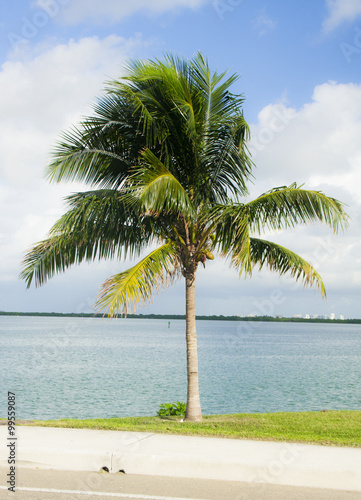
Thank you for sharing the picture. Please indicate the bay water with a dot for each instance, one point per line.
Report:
(92, 367)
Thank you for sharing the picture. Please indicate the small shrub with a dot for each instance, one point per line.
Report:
(171, 409)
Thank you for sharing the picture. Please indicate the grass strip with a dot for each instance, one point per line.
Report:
(335, 428)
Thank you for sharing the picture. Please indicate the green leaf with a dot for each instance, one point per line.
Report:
(136, 286)
(278, 259)
(157, 189)
(285, 207)
(99, 224)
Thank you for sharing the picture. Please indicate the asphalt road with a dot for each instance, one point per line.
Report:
(59, 485)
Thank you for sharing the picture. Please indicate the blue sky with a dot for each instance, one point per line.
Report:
(299, 64)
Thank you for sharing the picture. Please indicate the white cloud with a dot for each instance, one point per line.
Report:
(340, 11)
(319, 146)
(78, 11)
(43, 93)
(48, 92)
(264, 24)
(319, 143)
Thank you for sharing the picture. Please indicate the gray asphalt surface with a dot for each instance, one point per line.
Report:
(35, 485)
(65, 463)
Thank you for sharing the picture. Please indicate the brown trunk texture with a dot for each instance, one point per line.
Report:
(193, 412)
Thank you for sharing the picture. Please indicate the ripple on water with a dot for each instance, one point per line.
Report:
(88, 368)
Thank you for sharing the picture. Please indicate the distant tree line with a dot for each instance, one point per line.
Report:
(183, 317)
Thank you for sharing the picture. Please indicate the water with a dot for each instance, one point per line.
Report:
(89, 367)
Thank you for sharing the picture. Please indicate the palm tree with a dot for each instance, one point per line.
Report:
(165, 155)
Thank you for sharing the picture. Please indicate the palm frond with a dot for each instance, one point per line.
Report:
(102, 150)
(231, 226)
(51, 256)
(99, 224)
(279, 259)
(225, 131)
(229, 223)
(287, 206)
(228, 167)
(110, 216)
(136, 286)
(157, 189)
(191, 113)
(215, 93)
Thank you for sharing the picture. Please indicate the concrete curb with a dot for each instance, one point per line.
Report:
(185, 456)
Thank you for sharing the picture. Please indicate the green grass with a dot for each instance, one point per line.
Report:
(338, 428)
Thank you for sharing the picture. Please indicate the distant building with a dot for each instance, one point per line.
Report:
(332, 316)
(342, 316)
(307, 316)
(297, 315)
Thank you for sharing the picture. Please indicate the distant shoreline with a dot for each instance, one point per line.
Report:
(182, 317)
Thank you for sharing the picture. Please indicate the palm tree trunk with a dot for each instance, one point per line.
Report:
(193, 412)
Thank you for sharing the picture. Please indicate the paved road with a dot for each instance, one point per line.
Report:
(36, 485)
(307, 466)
